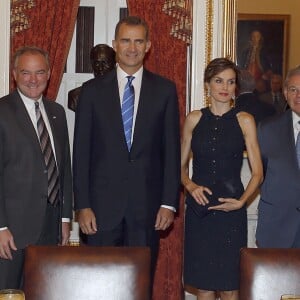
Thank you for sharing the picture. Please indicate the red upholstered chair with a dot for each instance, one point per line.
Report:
(267, 274)
(86, 273)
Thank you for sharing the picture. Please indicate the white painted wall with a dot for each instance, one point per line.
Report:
(4, 49)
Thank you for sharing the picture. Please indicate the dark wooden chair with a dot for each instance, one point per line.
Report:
(267, 274)
(89, 273)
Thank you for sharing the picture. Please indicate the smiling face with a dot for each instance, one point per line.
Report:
(31, 73)
(131, 45)
(292, 93)
(222, 86)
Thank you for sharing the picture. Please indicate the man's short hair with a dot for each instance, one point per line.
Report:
(30, 50)
(132, 21)
(293, 72)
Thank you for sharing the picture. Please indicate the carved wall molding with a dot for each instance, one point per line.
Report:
(229, 29)
(214, 34)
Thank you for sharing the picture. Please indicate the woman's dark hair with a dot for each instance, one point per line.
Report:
(219, 65)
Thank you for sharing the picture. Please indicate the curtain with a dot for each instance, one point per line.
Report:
(52, 24)
(168, 58)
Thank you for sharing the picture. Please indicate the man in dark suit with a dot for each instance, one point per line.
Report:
(249, 102)
(279, 207)
(275, 97)
(35, 169)
(126, 191)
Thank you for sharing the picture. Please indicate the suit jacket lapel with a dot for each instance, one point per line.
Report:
(143, 107)
(25, 122)
(288, 140)
(112, 103)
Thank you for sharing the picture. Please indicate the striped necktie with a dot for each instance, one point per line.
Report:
(53, 184)
(127, 110)
(298, 147)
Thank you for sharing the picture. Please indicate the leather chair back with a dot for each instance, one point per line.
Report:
(89, 273)
(269, 273)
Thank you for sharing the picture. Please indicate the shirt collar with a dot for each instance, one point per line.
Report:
(121, 74)
(296, 120)
(28, 101)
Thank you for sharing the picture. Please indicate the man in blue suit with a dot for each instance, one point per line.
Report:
(125, 195)
(279, 207)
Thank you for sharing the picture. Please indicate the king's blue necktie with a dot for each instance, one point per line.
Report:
(127, 110)
(298, 147)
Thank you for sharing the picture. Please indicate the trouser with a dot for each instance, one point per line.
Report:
(129, 233)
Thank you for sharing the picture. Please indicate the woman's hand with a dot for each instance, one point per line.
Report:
(197, 191)
(228, 204)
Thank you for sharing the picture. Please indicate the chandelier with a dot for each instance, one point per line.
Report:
(18, 18)
(181, 11)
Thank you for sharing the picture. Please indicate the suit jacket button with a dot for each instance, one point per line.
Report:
(131, 160)
(298, 208)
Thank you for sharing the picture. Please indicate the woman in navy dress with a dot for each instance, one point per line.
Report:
(216, 218)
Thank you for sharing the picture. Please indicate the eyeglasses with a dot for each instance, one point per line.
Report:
(293, 90)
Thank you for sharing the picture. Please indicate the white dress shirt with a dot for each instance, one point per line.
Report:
(30, 107)
(296, 125)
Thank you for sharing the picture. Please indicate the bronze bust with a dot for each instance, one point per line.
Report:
(103, 60)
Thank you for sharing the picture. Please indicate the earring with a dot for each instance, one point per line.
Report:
(232, 104)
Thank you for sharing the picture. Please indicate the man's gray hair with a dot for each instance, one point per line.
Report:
(30, 50)
(293, 72)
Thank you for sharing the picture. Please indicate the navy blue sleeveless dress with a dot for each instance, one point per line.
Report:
(213, 238)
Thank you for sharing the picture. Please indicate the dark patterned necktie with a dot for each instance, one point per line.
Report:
(53, 184)
(298, 147)
(127, 110)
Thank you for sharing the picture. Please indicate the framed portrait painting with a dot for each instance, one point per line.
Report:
(262, 45)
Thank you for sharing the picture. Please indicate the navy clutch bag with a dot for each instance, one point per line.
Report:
(201, 210)
(224, 189)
